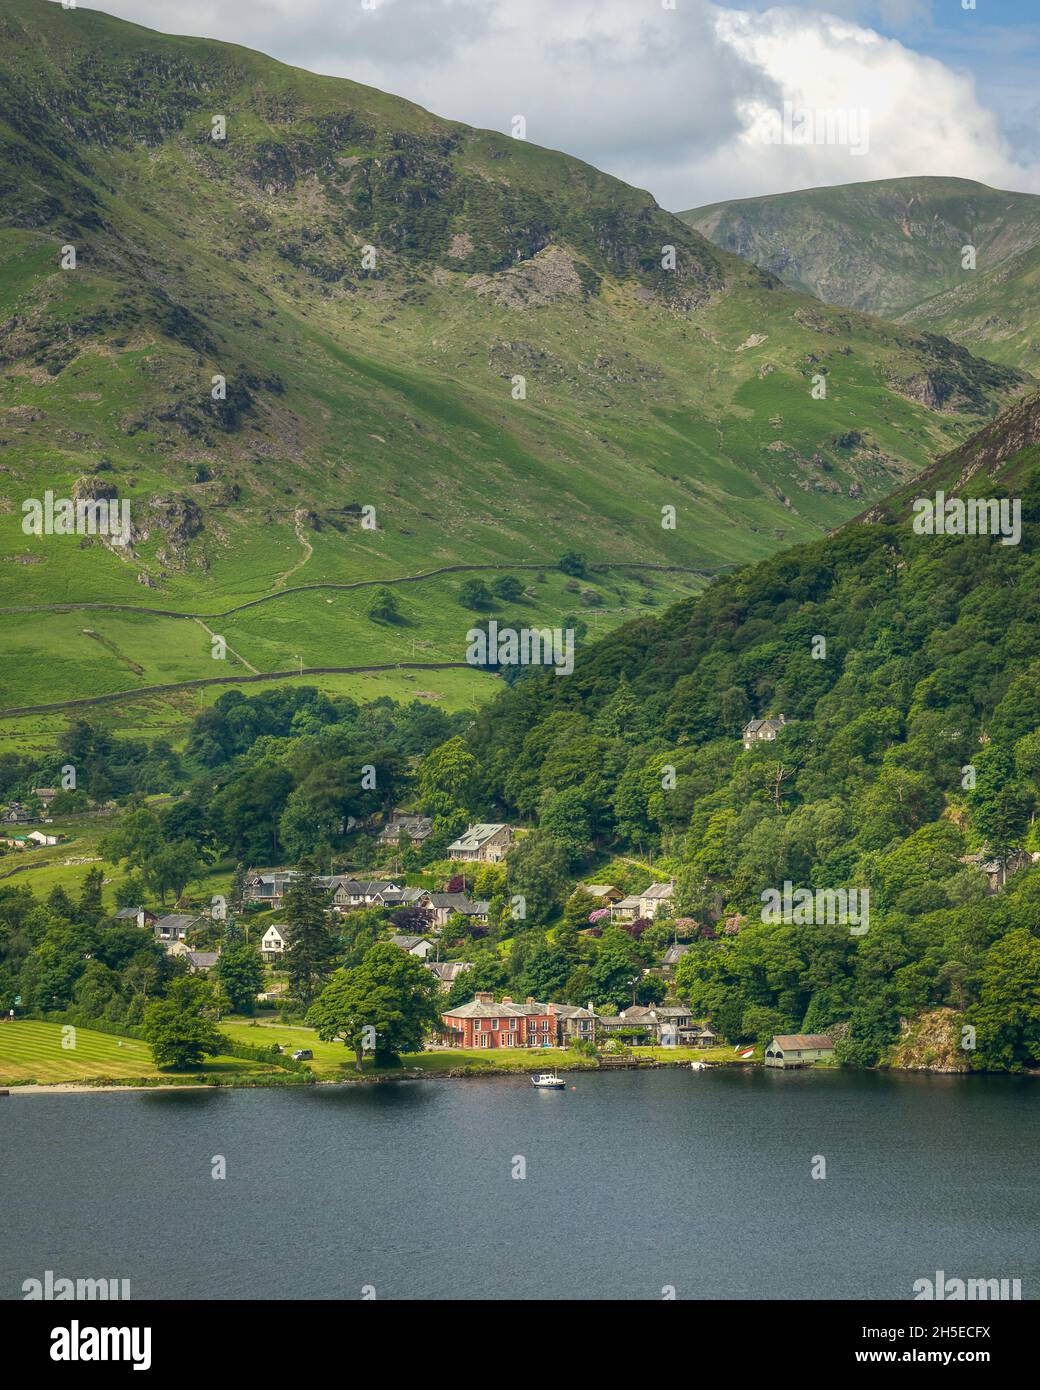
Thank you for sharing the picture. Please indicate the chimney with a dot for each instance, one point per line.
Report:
(505, 999)
(530, 999)
(484, 998)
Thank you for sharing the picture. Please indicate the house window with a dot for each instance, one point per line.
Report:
(476, 1025)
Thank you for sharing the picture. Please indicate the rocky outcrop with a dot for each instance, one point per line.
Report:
(549, 276)
(931, 1042)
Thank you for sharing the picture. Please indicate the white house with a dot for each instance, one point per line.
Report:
(274, 942)
(420, 946)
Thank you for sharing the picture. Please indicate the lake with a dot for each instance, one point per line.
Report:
(634, 1182)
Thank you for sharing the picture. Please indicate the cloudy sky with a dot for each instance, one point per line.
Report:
(676, 95)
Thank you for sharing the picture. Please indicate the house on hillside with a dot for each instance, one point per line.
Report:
(45, 795)
(267, 886)
(403, 897)
(420, 946)
(176, 926)
(482, 844)
(604, 893)
(37, 837)
(672, 957)
(998, 871)
(626, 909)
(199, 962)
(135, 917)
(417, 829)
(15, 814)
(762, 730)
(443, 906)
(274, 942)
(657, 898)
(799, 1049)
(446, 972)
(347, 893)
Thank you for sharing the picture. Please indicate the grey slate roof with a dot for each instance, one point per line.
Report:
(448, 970)
(177, 921)
(476, 1008)
(658, 890)
(458, 902)
(476, 836)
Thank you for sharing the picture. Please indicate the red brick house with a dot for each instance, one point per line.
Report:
(483, 1023)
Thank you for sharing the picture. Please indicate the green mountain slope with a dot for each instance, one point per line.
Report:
(912, 740)
(894, 247)
(372, 282)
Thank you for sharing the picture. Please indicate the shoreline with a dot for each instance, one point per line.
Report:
(403, 1073)
(418, 1074)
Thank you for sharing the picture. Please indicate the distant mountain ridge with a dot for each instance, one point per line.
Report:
(895, 247)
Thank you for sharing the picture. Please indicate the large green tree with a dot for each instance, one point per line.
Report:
(383, 1007)
(178, 1029)
(240, 973)
(311, 953)
(536, 872)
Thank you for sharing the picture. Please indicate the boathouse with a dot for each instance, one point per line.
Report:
(799, 1049)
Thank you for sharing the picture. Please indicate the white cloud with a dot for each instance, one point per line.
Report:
(921, 116)
(671, 100)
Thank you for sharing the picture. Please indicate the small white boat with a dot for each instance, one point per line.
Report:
(698, 1066)
(548, 1081)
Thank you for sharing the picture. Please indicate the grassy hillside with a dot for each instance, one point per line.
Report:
(894, 247)
(383, 377)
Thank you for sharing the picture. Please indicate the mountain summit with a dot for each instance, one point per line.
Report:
(950, 255)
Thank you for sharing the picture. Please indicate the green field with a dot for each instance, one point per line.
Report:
(32, 1052)
(169, 715)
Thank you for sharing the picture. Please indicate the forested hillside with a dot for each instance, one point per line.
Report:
(913, 741)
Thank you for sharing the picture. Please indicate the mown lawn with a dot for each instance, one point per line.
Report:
(333, 1061)
(32, 1051)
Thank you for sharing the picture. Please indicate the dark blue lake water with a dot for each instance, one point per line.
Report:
(634, 1182)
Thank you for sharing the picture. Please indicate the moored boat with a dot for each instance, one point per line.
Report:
(548, 1081)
